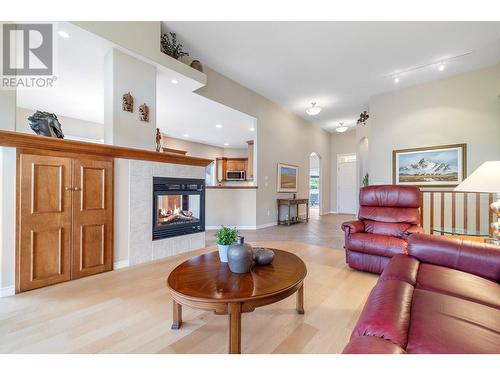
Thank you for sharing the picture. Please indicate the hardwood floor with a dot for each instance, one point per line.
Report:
(130, 310)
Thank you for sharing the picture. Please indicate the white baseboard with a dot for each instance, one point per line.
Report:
(7, 291)
(243, 227)
(120, 264)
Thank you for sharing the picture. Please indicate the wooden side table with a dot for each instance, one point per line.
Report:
(290, 203)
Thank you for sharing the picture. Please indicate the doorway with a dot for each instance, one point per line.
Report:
(314, 184)
(346, 184)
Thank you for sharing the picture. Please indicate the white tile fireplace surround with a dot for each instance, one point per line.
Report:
(134, 212)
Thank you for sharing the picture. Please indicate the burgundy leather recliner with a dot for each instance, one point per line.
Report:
(388, 214)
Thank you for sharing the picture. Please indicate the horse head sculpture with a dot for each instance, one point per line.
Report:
(45, 123)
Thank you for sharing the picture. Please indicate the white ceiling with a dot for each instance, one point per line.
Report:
(79, 93)
(179, 112)
(337, 64)
(79, 67)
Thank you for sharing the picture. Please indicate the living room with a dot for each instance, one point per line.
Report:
(175, 186)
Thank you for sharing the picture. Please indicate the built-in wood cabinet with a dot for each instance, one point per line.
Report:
(230, 164)
(65, 218)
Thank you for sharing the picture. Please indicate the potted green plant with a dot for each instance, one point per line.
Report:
(225, 237)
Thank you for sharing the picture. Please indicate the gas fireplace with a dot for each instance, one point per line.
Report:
(178, 206)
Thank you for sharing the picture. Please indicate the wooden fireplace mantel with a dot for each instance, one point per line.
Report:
(28, 141)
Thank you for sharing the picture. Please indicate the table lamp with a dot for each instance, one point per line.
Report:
(486, 179)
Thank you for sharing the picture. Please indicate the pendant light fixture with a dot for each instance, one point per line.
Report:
(313, 110)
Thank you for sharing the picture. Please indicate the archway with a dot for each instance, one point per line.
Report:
(314, 184)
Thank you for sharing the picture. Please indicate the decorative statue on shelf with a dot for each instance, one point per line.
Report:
(128, 102)
(158, 140)
(363, 116)
(144, 112)
(46, 124)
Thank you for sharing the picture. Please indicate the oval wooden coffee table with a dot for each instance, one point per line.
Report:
(204, 282)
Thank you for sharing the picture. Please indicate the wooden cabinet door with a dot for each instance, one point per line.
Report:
(92, 217)
(44, 228)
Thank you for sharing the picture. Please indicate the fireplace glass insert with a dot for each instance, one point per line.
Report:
(178, 207)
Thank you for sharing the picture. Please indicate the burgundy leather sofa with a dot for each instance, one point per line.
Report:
(388, 214)
(442, 298)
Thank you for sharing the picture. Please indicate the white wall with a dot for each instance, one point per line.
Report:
(193, 148)
(230, 207)
(282, 137)
(461, 109)
(340, 143)
(7, 109)
(70, 126)
(7, 220)
(124, 73)
(236, 152)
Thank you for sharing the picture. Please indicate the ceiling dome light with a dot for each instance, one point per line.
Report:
(441, 67)
(396, 79)
(341, 128)
(226, 144)
(313, 110)
(186, 135)
(63, 34)
(218, 126)
(174, 81)
(252, 129)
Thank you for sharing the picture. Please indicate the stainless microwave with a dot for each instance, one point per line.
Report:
(235, 176)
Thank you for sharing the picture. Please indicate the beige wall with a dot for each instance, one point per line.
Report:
(281, 137)
(340, 143)
(230, 207)
(193, 148)
(70, 126)
(461, 109)
(7, 109)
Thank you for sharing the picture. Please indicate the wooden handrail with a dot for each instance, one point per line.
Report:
(457, 219)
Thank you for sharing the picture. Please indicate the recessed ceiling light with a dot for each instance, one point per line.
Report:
(174, 81)
(63, 34)
(186, 135)
(396, 80)
(226, 144)
(218, 126)
(252, 129)
(441, 67)
(313, 110)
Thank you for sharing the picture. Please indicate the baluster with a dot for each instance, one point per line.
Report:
(431, 210)
(466, 222)
(453, 211)
(478, 212)
(442, 211)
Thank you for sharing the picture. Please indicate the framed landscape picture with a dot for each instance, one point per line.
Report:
(288, 178)
(430, 166)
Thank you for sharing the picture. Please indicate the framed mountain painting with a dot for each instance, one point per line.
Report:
(430, 166)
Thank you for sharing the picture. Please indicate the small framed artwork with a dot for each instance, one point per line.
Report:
(288, 178)
(430, 166)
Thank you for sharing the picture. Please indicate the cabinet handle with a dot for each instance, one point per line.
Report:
(77, 189)
(68, 188)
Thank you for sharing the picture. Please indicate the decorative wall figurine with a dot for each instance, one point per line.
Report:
(144, 112)
(158, 140)
(128, 102)
(46, 124)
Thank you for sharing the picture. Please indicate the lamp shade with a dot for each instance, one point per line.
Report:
(485, 179)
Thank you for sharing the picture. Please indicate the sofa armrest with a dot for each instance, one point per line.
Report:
(473, 257)
(372, 345)
(354, 226)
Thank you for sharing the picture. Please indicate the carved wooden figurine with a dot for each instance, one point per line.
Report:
(144, 112)
(128, 102)
(158, 140)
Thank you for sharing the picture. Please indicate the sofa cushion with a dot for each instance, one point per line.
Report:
(402, 268)
(366, 262)
(387, 312)
(390, 214)
(376, 244)
(371, 345)
(459, 284)
(387, 229)
(444, 324)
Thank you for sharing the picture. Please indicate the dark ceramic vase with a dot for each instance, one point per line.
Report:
(240, 256)
(196, 64)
